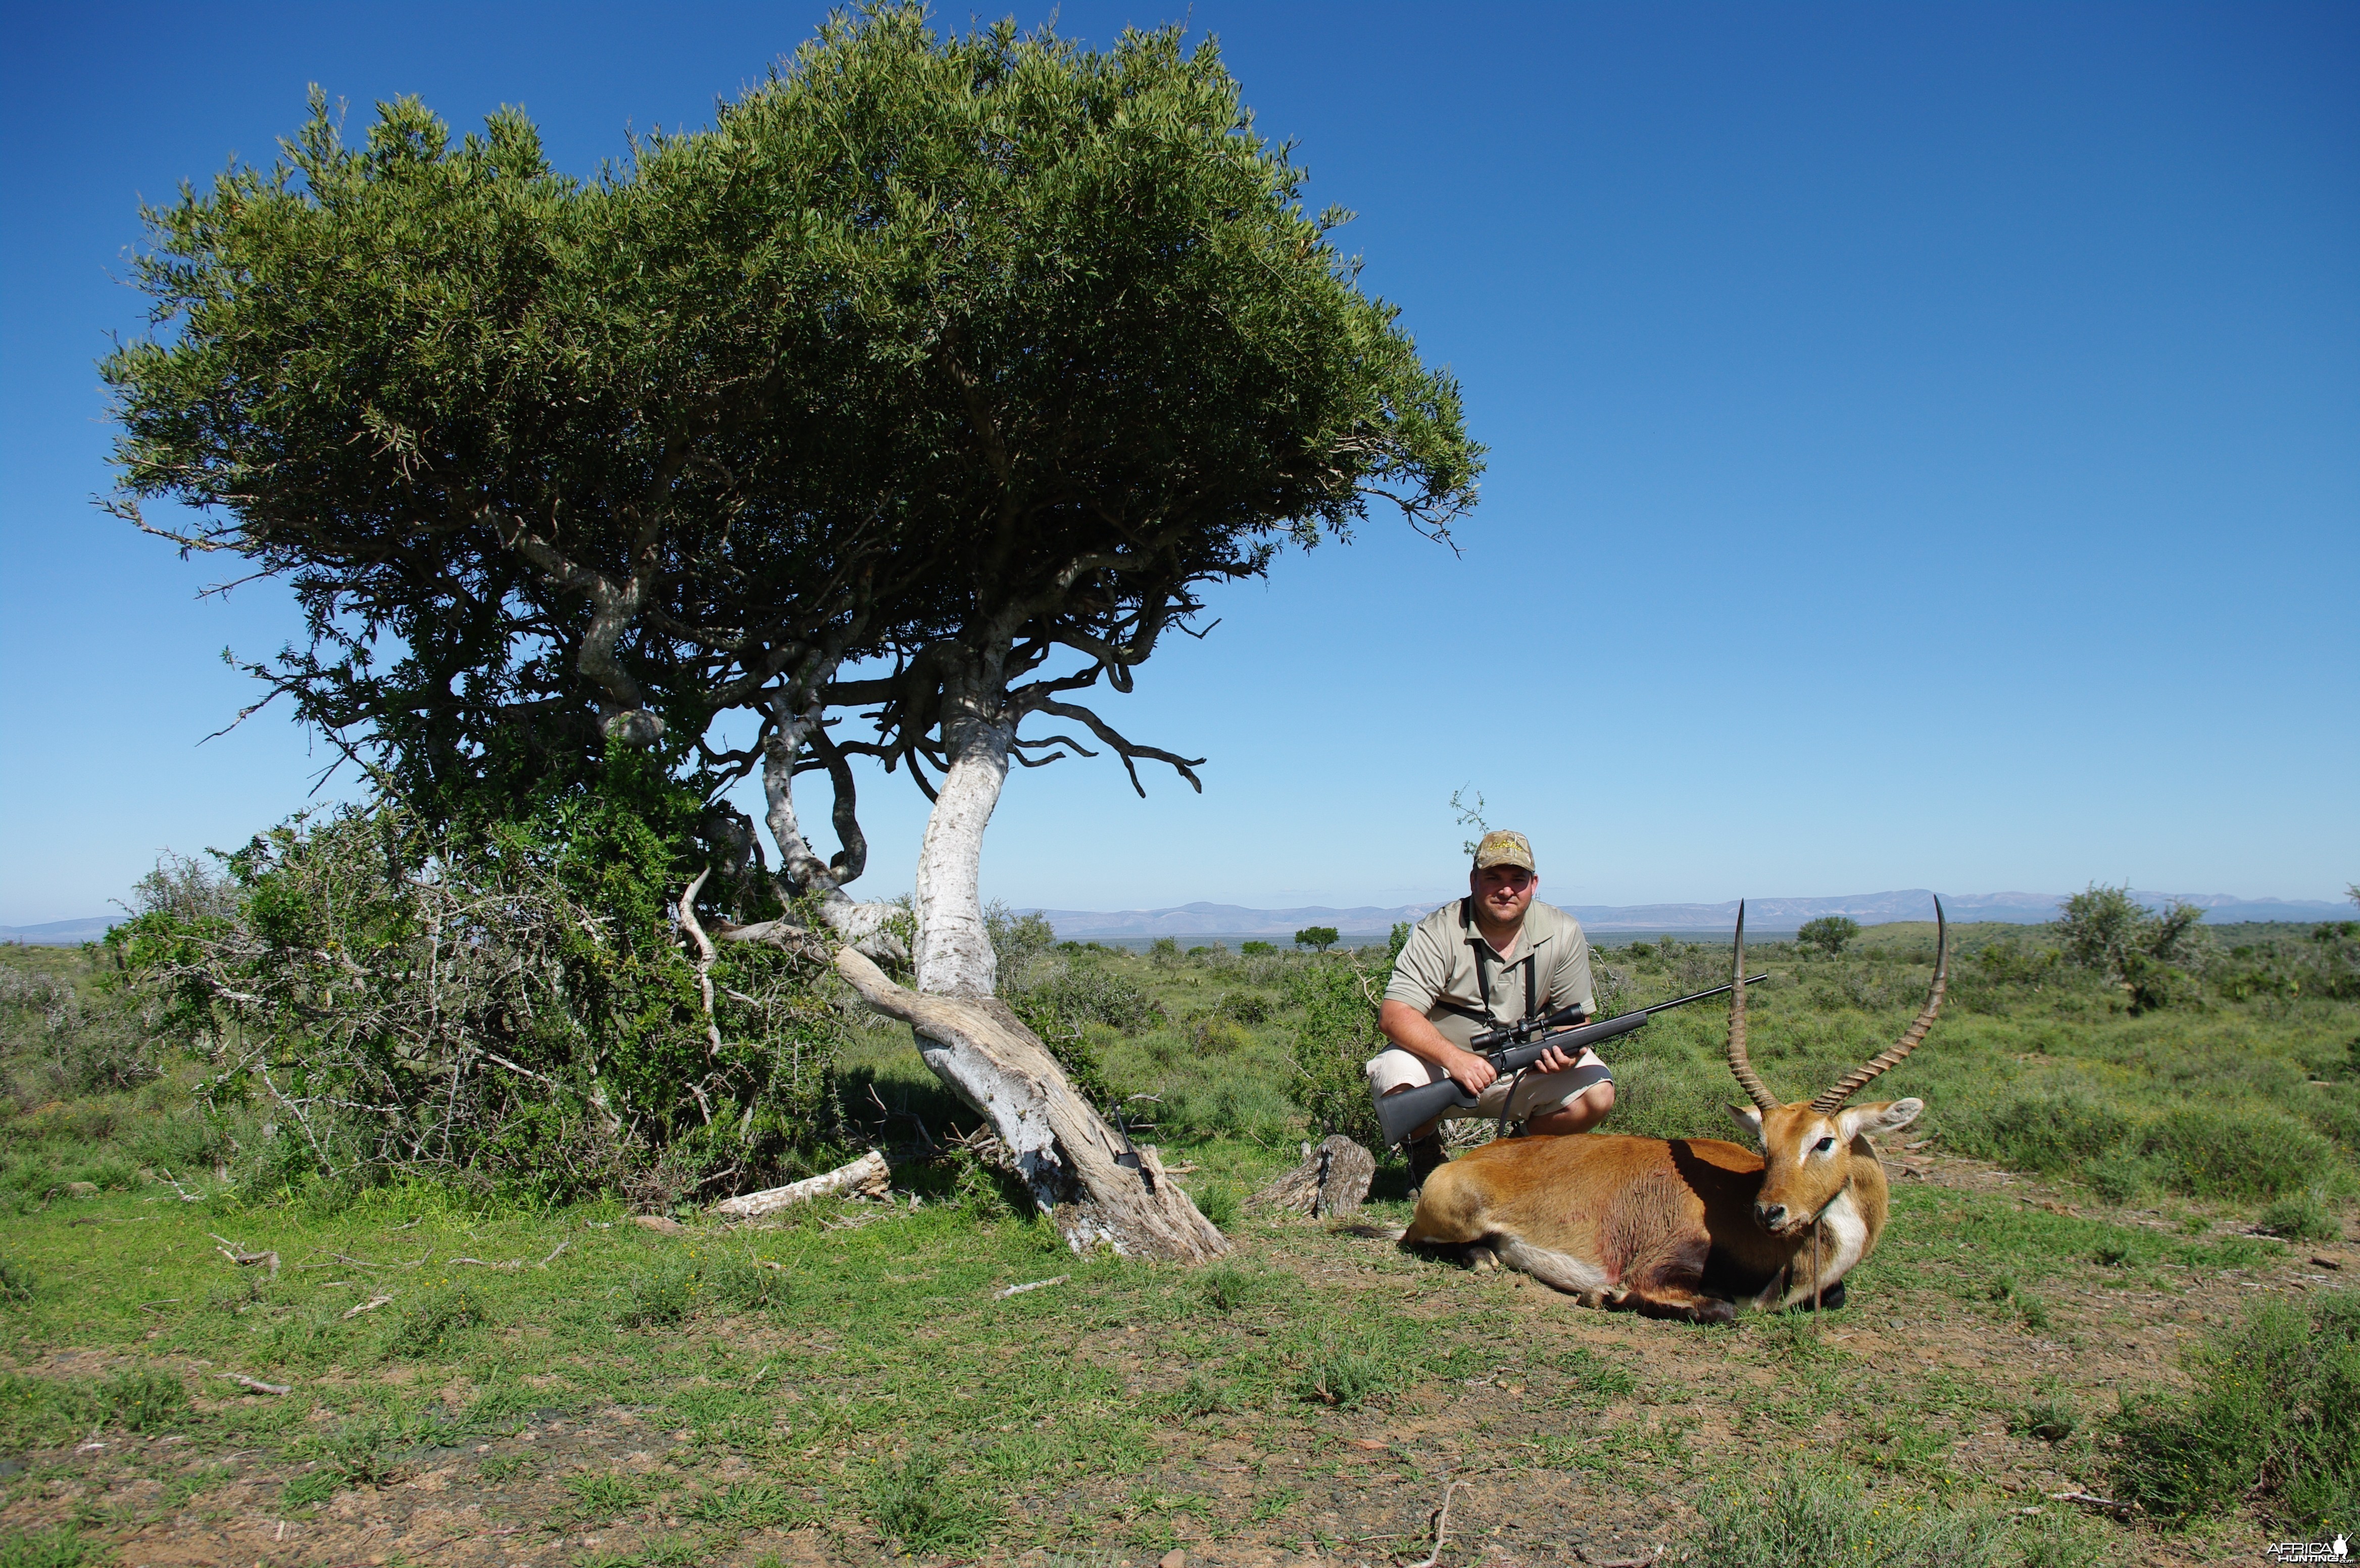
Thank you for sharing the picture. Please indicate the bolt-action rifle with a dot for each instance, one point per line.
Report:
(1513, 1047)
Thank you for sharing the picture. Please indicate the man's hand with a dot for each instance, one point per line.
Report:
(1553, 1060)
(1471, 1073)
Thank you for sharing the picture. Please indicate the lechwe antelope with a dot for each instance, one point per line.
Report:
(1678, 1228)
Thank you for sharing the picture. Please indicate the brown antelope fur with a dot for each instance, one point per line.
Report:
(1677, 1228)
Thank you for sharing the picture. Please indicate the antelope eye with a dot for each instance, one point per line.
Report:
(1824, 1145)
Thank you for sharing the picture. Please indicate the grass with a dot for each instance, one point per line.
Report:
(2275, 1414)
(853, 1373)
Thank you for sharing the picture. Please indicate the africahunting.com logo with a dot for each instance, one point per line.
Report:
(2336, 1550)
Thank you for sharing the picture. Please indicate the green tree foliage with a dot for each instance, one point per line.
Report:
(1320, 938)
(1115, 359)
(2146, 953)
(977, 351)
(541, 439)
(1829, 933)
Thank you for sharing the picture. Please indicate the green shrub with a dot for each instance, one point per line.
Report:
(1237, 1105)
(545, 937)
(1335, 1036)
(2226, 1154)
(2303, 1216)
(1247, 1007)
(2046, 1132)
(16, 1283)
(2274, 1417)
(1219, 1038)
(1257, 950)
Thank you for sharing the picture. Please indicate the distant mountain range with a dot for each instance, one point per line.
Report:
(1761, 915)
(59, 933)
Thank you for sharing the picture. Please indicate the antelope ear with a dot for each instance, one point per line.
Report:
(1747, 1117)
(1872, 1120)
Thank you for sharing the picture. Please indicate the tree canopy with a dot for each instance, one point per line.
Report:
(974, 354)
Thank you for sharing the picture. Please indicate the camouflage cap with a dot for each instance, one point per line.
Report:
(1501, 847)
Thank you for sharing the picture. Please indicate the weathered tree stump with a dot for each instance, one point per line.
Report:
(1064, 1150)
(1332, 1180)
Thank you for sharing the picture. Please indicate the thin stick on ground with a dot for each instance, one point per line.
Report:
(1440, 1520)
(256, 1384)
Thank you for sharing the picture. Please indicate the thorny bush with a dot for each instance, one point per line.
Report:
(515, 1003)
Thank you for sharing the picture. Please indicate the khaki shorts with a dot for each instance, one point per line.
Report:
(1536, 1095)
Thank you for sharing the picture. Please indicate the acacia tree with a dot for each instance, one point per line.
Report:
(1122, 366)
(961, 365)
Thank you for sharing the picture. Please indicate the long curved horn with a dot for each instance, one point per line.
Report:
(1858, 1078)
(1739, 1063)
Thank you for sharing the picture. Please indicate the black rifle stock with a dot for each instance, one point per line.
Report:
(1515, 1046)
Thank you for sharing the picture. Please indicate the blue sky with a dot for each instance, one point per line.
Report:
(1925, 449)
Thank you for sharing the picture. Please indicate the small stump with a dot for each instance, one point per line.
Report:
(1332, 1180)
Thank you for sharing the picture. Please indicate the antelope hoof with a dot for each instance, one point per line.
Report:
(1482, 1259)
(1830, 1299)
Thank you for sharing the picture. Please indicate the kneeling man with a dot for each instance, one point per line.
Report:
(1495, 957)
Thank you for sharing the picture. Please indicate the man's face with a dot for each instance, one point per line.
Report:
(1505, 892)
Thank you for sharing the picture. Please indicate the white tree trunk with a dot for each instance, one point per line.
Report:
(1067, 1154)
(954, 956)
(862, 925)
(1072, 1161)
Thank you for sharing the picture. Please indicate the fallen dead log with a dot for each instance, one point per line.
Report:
(867, 1177)
(1332, 1180)
(1094, 1185)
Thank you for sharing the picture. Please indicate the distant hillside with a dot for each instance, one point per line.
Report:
(1765, 914)
(59, 933)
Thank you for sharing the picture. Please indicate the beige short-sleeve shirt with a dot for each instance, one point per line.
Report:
(1436, 970)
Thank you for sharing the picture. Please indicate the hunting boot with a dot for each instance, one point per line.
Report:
(1424, 1154)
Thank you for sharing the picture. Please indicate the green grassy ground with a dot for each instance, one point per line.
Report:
(645, 1397)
